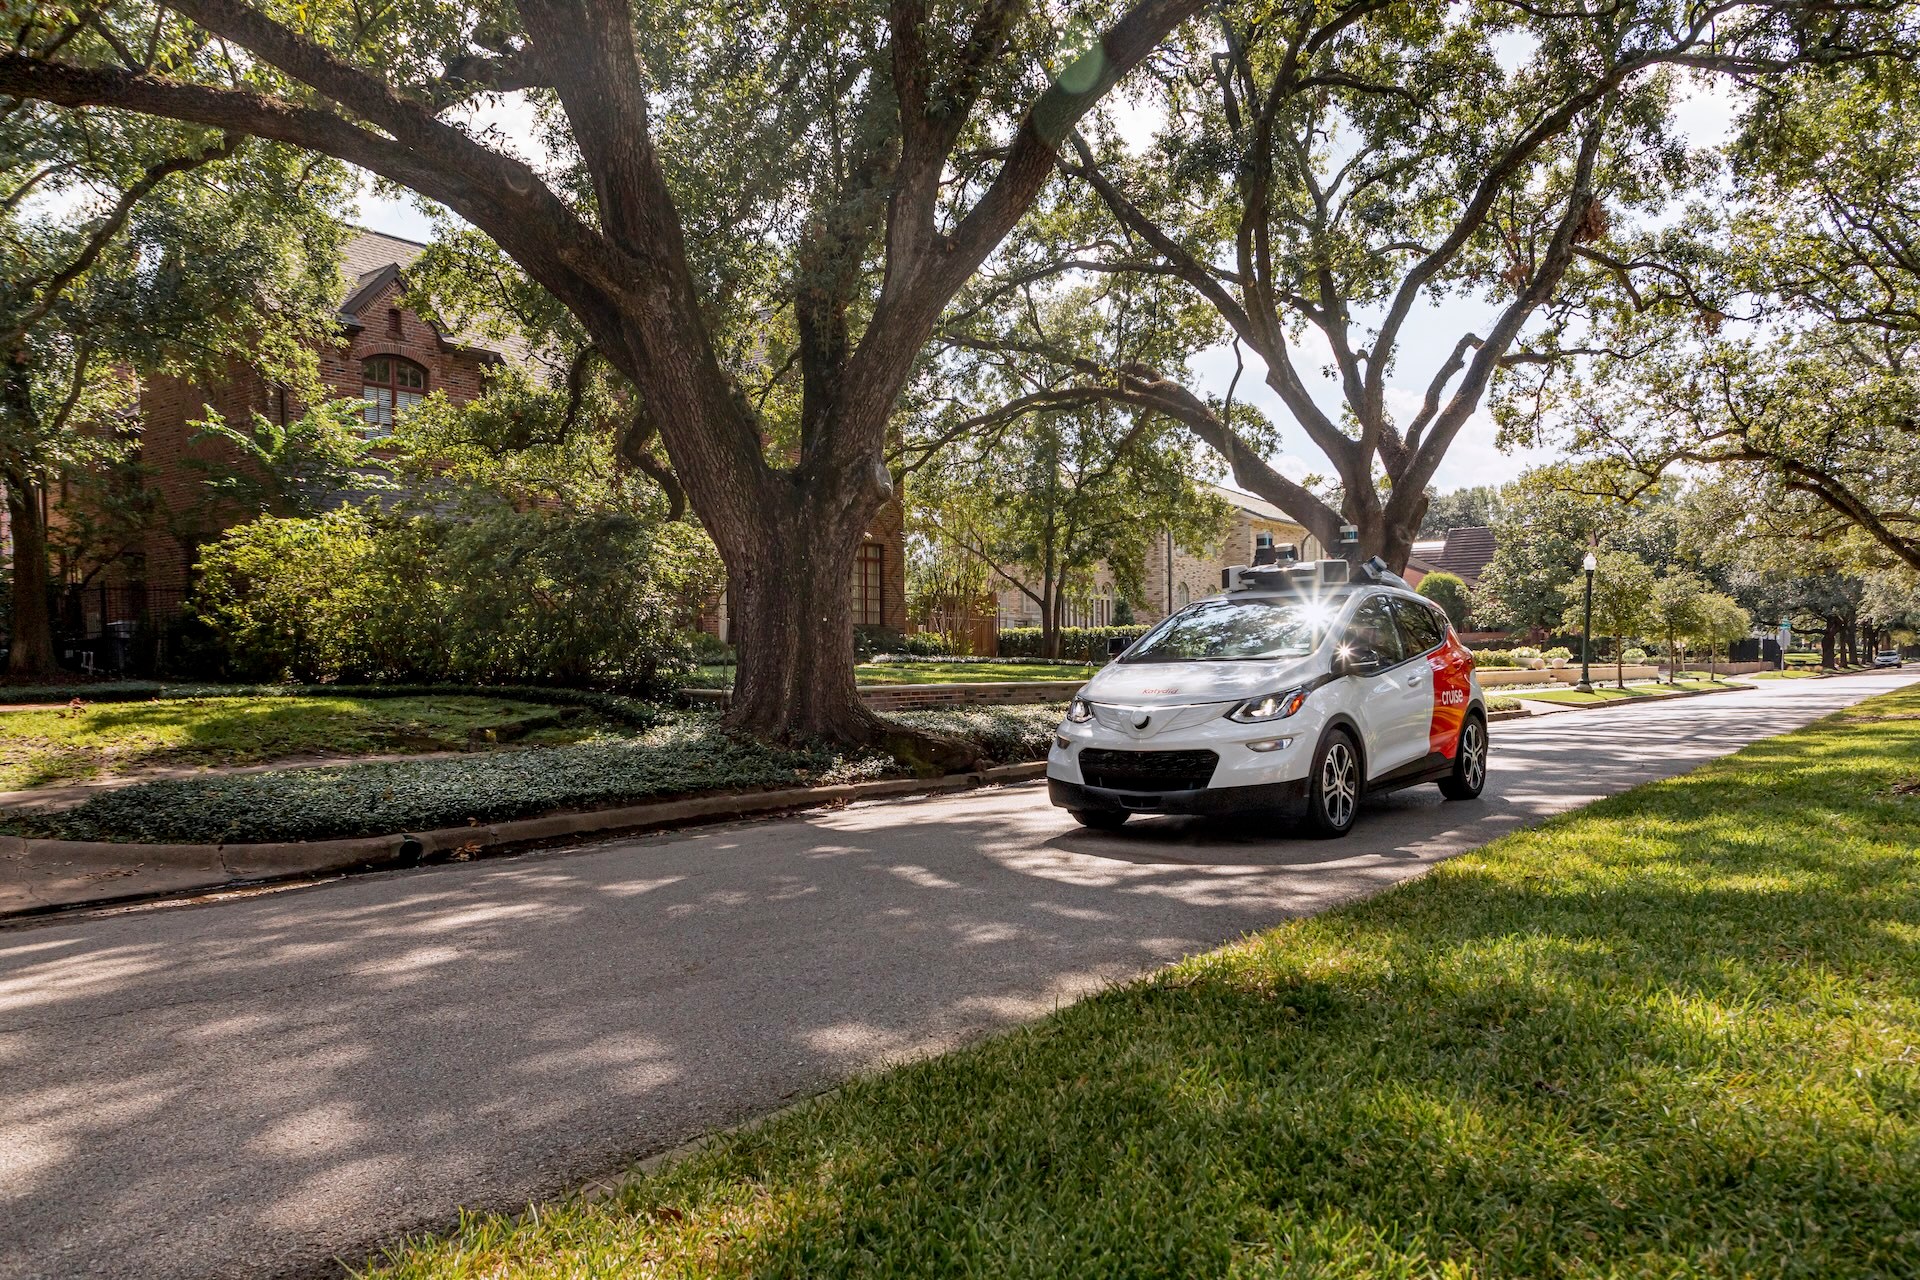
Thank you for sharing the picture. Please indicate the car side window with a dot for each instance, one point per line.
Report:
(1419, 629)
(1371, 636)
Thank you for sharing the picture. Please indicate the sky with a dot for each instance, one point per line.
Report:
(1706, 117)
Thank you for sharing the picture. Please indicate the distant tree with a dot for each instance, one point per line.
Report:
(1721, 622)
(1622, 594)
(1448, 591)
(1048, 497)
(1675, 610)
(1461, 509)
(1547, 522)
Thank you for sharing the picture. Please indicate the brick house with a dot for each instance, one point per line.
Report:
(391, 358)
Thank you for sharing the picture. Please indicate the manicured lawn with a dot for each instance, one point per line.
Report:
(58, 745)
(1608, 693)
(1675, 1034)
(721, 677)
(1793, 673)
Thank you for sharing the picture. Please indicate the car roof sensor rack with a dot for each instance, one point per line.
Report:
(1309, 577)
(1374, 569)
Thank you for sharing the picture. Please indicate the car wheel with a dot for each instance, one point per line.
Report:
(1333, 788)
(1469, 776)
(1099, 819)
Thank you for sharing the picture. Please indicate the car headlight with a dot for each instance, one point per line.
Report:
(1079, 711)
(1271, 706)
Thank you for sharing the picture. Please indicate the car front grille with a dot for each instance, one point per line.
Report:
(1147, 770)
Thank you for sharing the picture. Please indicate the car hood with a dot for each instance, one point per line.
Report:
(1176, 684)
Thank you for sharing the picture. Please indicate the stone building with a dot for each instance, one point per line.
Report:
(1175, 578)
(1172, 573)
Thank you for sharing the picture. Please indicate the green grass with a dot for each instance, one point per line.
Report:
(1797, 673)
(1674, 1034)
(713, 676)
(58, 745)
(1608, 693)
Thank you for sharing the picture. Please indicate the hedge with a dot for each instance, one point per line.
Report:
(1075, 642)
(686, 756)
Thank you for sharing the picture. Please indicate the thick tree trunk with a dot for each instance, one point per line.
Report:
(789, 584)
(1826, 644)
(31, 655)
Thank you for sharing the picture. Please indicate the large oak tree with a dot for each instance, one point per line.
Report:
(1330, 171)
(731, 189)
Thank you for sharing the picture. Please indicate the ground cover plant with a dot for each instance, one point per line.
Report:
(63, 744)
(1649, 691)
(1676, 1033)
(684, 755)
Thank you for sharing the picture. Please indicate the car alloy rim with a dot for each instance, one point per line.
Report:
(1475, 751)
(1337, 784)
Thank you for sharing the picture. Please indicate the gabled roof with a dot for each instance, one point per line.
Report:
(373, 260)
(1253, 506)
(1464, 552)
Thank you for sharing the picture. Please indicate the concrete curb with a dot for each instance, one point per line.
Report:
(76, 873)
(1517, 713)
(1559, 707)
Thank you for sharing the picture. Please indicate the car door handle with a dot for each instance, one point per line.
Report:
(1413, 681)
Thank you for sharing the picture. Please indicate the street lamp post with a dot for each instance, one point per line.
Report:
(1586, 628)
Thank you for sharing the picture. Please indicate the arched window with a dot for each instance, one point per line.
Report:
(390, 386)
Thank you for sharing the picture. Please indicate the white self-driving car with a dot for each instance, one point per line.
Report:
(1300, 688)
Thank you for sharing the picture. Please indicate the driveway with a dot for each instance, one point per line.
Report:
(254, 1087)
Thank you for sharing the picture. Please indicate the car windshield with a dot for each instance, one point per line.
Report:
(1237, 631)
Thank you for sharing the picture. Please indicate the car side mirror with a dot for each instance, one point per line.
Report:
(1115, 647)
(1355, 662)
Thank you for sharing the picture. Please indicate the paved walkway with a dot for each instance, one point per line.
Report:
(253, 1087)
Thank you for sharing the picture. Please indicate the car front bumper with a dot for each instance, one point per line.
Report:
(1290, 796)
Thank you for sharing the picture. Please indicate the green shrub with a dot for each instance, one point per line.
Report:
(1633, 655)
(711, 650)
(1559, 651)
(505, 597)
(1494, 658)
(1449, 591)
(924, 644)
(1088, 643)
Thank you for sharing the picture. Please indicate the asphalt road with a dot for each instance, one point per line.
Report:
(254, 1087)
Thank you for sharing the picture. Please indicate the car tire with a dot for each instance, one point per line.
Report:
(1469, 776)
(1099, 819)
(1333, 788)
